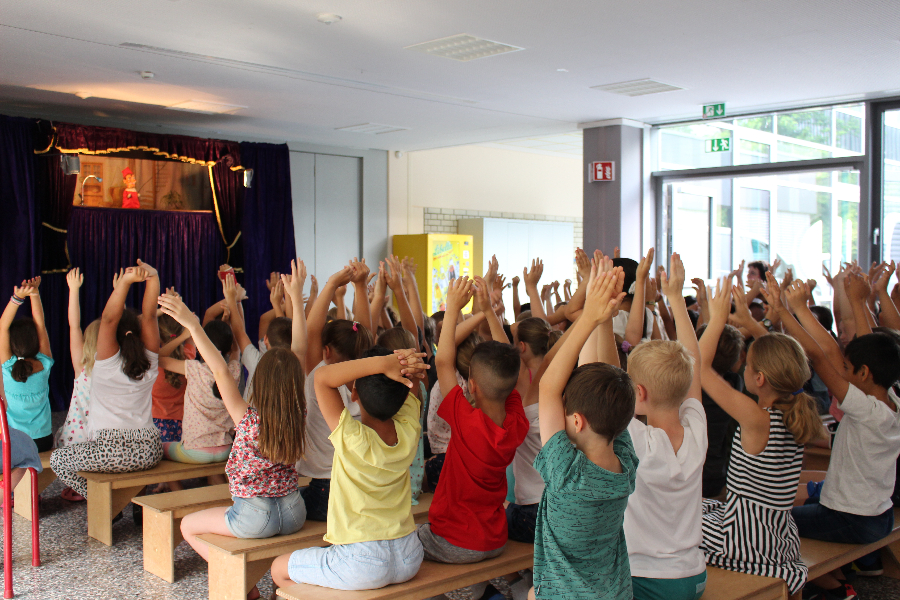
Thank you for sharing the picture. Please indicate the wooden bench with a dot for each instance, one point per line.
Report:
(109, 493)
(432, 579)
(816, 458)
(23, 490)
(235, 565)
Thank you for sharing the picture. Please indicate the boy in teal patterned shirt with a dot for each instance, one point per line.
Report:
(588, 462)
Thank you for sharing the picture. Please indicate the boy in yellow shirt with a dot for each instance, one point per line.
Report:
(370, 522)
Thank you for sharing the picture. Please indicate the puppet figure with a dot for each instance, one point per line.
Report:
(130, 196)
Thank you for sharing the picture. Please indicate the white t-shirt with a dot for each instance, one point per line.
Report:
(319, 451)
(620, 322)
(863, 463)
(438, 429)
(117, 402)
(529, 484)
(250, 358)
(664, 514)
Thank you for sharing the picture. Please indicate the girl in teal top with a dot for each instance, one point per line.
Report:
(26, 361)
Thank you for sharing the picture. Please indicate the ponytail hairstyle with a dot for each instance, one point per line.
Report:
(89, 348)
(220, 334)
(781, 359)
(24, 344)
(279, 399)
(396, 338)
(535, 333)
(348, 340)
(464, 354)
(554, 337)
(131, 347)
(169, 329)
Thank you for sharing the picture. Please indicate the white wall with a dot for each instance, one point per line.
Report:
(480, 178)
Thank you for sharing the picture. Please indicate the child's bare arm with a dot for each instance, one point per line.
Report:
(858, 290)
(483, 299)
(412, 291)
(395, 281)
(238, 328)
(376, 308)
(75, 279)
(517, 306)
(107, 346)
(172, 364)
(890, 316)
(458, 295)
(316, 322)
(634, 330)
(532, 278)
(294, 283)
(231, 396)
(9, 315)
(169, 347)
(742, 316)
(361, 293)
(600, 303)
(149, 326)
(313, 294)
(607, 350)
(671, 285)
(216, 310)
(583, 264)
(398, 366)
(37, 315)
(465, 329)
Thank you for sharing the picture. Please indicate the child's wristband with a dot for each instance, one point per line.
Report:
(16, 300)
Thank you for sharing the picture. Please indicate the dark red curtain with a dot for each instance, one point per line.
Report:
(71, 137)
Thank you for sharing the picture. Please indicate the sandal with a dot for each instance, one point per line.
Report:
(71, 495)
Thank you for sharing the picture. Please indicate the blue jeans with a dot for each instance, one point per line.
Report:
(315, 496)
(520, 520)
(819, 522)
(359, 566)
(255, 518)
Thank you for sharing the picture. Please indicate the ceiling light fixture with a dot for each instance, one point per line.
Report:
(83, 95)
(328, 18)
(463, 47)
(373, 128)
(206, 107)
(638, 87)
(147, 75)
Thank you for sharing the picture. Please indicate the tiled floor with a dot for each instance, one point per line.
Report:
(76, 567)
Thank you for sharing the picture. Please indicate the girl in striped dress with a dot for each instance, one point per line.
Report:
(753, 531)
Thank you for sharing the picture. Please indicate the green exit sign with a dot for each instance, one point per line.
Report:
(718, 145)
(713, 111)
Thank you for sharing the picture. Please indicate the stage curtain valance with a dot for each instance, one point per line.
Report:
(88, 139)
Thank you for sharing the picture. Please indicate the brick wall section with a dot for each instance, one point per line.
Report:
(444, 220)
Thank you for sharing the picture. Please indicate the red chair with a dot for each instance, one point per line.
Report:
(7, 511)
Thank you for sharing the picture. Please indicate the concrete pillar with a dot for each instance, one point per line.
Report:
(621, 212)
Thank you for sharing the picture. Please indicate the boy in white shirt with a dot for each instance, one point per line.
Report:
(855, 504)
(663, 518)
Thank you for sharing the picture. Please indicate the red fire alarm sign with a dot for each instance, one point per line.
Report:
(602, 171)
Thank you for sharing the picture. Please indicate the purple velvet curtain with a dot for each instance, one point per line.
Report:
(20, 223)
(268, 224)
(230, 197)
(71, 137)
(184, 246)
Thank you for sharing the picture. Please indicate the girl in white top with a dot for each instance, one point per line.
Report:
(83, 348)
(123, 438)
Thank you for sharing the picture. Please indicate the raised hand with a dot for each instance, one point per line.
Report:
(775, 264)
(410, 264)
(672, 283)
(294, 282)
(34, 282)
(652, 293)
(827, 274)
(241, 292)
(340, 278)
(24, 291)
(643, 269)
(720, 304)
(884, 275)
(340, 292)
(134, 275)
(582, 263)
(533, 276)
(403, 366)
(459, 293)
(175, 308)
(742, 315)
(272, 280)
(491, 275)
(74, 278)
(772, 293)
(151, 272)
(857, 287)
(117, 277)
(276, 292)
(394, 280)
(515, 281)
(313, 286)
(482, 294)
(500, 282)
(811, 284)
(739, 271)
(797, 294)
(603, 296)
(360, 271)
(381, 282)
(616, 253)
(229, 289)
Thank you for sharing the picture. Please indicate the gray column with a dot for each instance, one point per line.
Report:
(621, 212)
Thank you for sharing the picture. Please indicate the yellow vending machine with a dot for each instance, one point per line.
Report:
(441, 257)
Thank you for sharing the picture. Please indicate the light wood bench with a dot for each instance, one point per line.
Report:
(23, 490)
(432, 579)
(236, 565)
(109, 493)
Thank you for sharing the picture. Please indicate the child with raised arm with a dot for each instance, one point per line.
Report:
(268, 439)
(328, 343)
(370, 524)
(26, 359)
(467, 518)
(855, 502)
(752, 531)
(587, 462)
(663, 519)
(123, 436)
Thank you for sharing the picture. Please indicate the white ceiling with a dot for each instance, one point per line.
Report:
(301, 79)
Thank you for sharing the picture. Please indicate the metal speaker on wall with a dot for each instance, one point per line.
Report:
(70, 163)
(248, 178)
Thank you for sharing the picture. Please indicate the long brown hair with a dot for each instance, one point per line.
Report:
(170, 329)
(279, 398)
(535, 333)
(782, 360)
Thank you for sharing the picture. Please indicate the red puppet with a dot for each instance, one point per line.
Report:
(130, 196)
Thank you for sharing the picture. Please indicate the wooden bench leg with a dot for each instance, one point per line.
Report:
(23, 491)
(162, 534)
(228, 576)
(104, 503)
(890, 559)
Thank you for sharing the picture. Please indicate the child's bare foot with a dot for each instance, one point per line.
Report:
(71, 495)
(254, 593)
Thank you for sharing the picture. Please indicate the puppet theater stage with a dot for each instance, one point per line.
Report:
(42, 232)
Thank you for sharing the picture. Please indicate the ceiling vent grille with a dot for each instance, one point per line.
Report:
(373, 128)
(205, 107)
(463, 47)
(638, 87)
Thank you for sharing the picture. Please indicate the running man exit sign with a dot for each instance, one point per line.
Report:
(713, 111)
(718, 145)
(604, 170)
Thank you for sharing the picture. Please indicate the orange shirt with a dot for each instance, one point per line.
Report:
(168, 401)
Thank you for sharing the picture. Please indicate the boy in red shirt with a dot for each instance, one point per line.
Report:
(468, 522)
